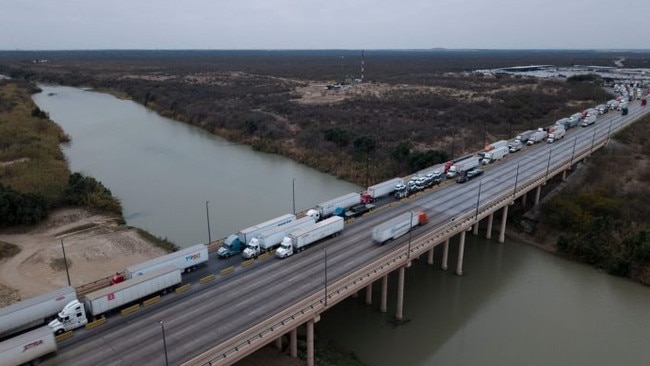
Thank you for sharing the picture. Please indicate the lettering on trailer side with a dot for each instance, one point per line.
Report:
(193, 257)
(111, 296)
(32, 345)
(62, 297)
(285, 222)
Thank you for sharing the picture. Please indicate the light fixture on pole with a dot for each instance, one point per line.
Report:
(207, 216)
(162, 326)
(65, 261)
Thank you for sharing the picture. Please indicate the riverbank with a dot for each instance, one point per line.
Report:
(96, 246)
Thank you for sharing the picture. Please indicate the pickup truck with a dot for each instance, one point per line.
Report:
(358, 210)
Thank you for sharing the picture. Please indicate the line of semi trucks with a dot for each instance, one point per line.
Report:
(23, 336)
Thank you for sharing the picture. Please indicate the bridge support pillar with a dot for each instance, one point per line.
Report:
(563, 175)
(384, 294)
(475, 228)
(399, 313)
(430, 257)
(538, 192)
(523, 199)
(293, 342)
(504, 218)
(369, 294)
(445, 255)
(488, 235)
(461, 253)
(278, 343)
(310, 342)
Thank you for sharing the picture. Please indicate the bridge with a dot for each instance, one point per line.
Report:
(222, 320)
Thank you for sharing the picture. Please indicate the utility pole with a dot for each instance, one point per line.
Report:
(207, 215)
(65, 261)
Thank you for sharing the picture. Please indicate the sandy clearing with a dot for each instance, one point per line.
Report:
(96, 247)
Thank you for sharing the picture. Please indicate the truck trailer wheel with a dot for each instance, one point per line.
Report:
(59, 332)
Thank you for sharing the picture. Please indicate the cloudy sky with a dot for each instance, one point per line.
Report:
(324, 24)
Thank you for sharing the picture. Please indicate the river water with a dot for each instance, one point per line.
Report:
(164, 171)
(514, 305)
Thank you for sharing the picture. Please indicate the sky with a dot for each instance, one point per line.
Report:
(324, 24)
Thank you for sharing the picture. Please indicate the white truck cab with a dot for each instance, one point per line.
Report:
(71, 317)
(285, 249)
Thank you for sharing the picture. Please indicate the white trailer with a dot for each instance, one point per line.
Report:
(462, 166)
(34, 311)
(27, 347)
(185, 260)
(236, 243)
(271, 239)
(297, 241)
(95, 304)
(398, 226)
(496, 145)
(384, 188)
(495, 155)
(326, 209)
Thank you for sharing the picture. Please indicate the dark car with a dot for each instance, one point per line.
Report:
(472, 173)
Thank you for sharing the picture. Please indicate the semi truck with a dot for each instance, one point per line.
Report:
(538, 136)
(495, 145)
(589, 120)
(556, 133)
(298, 241)
(327, 208)
(496, 154)
(271, 239)
(94, 305)
(464, 165)
(564, 122)
(575, 119)
(515, 146)
(524, 136)
(34, 311)
(398, 226)
(235, 243)
(27, 347)
(186, 260)
(381, 189)
(401, 191)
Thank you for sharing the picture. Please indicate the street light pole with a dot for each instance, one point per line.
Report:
(485, 134)
(162, 326)
(325, 251)
(575, 140)
(548, 165)
(516, 179)
(593, 141)
(207, 216)
(293, 194)
(408, 254)
(65, 261)
(478, 198)
(367, 170)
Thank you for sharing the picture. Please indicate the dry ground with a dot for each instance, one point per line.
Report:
(96, 246)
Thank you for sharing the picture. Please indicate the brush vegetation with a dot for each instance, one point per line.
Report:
(34, 174)
(606, 222)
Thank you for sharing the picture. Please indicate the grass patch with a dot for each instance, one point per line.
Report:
(157, 241)
(8, 250)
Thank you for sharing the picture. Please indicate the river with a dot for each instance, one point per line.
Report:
(164, 171)
(514, 305)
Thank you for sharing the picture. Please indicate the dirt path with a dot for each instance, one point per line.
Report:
(95, 245)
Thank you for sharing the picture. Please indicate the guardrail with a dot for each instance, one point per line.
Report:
(311, 306)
